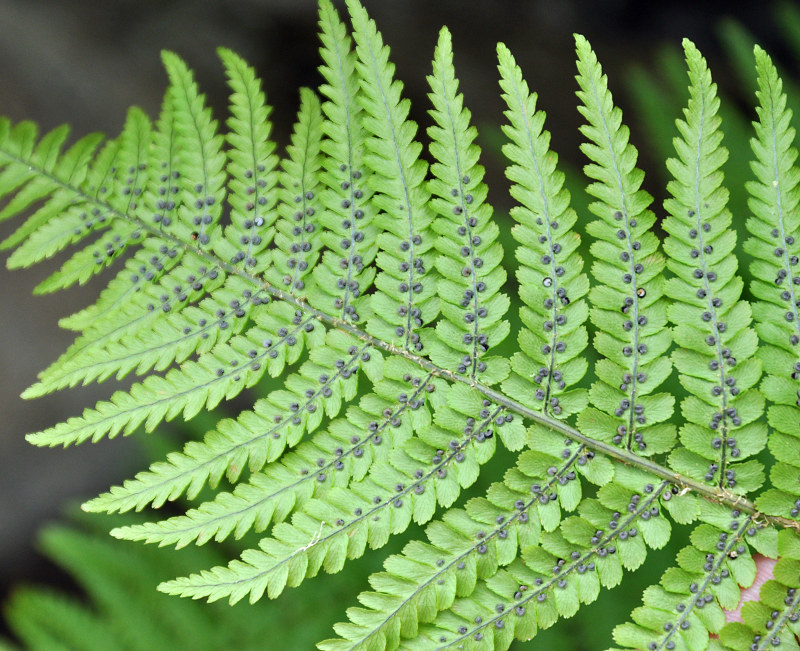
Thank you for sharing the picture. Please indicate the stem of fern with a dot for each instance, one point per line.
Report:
(711, 493)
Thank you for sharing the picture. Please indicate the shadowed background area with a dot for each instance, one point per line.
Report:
(85, 63)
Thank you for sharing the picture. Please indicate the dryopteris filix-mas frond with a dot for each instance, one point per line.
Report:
(367, 274)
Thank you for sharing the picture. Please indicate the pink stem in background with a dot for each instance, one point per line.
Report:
(764, 567)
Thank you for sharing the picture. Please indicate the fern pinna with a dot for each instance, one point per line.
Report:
(367, 273)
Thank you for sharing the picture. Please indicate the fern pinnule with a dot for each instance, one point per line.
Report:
(252, 170)
(405, 469)
(347, 271)
(629, 310)
(201, 184)
(715, 361)
(470, 255)
(552, 284)
(297, 249)
(407, 298)
(178, 529)
(775, 228)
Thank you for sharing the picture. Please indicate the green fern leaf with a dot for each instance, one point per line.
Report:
(347, 271)
(774, 226)
(251, 167)
(629, 310)
(398, 180)
(371, 283)
(554, 337)
(470, 302)
(711, 324)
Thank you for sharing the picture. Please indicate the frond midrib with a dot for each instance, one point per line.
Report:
(685, 483)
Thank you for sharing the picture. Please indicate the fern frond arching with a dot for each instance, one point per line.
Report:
(356, 286)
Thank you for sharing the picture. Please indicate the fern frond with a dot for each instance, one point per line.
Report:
(775, 227)
(712, 323)
(370, 283)
(629, 310)
(460, 451)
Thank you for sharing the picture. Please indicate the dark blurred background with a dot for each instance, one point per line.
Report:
(84, 63)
